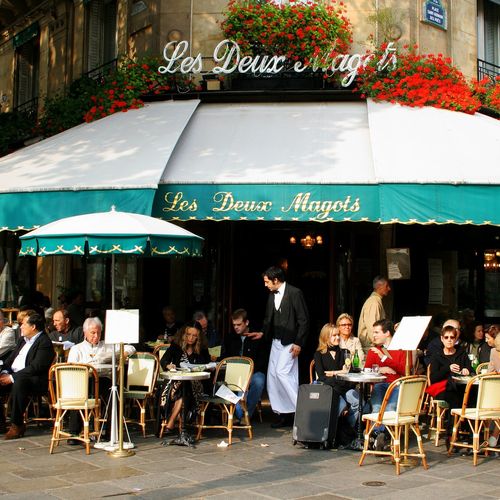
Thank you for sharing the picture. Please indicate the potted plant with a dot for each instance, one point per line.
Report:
(311, 33)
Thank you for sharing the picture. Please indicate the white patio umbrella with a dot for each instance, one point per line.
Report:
(112, 233)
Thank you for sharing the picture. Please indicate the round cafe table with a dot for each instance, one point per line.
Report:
(184, 438)
(361, 378)
(464, 379)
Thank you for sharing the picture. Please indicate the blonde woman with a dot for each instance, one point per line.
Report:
(345, 324)
(329, 360)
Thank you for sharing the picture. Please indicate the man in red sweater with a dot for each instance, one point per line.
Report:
(391, 364)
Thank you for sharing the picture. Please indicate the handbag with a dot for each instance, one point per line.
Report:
(436, 388)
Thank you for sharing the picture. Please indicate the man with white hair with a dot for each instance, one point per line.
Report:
(92, 351)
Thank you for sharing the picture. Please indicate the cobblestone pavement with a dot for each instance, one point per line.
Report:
(266, 467)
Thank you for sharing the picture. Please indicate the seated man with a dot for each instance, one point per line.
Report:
(240, 344)
(26, 372)
(391, 364)
(64, 331)
(92, 351)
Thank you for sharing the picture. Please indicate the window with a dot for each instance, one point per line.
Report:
(489, 38)
(101, 33)
(26, 75)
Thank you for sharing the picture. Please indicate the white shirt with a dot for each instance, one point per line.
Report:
(85, 352)
(20, 362)
(278, 296)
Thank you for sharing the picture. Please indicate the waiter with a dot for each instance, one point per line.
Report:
(286, 325)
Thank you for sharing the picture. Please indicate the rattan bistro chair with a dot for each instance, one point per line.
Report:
(235, 373)
(482, 366)
(437, 409)
(73, 392)
(142, 373)
(409, 403)
(160, 351)
(486, 411)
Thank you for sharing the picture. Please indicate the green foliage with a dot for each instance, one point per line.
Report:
(15, 128)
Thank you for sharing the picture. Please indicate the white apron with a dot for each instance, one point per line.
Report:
(282, 378)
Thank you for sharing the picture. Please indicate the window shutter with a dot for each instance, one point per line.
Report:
(94, 34)
(110, 12)
(492, 33)
(26, 73)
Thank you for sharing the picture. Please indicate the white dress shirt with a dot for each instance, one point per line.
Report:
(19, 362)
(278, 296)
(85, 352)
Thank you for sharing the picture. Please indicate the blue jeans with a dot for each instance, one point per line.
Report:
(257, 384)
(377, 396)
(352, 398)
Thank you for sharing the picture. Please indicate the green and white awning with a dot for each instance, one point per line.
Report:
(111, 233)
(333, 161)
(114, 161)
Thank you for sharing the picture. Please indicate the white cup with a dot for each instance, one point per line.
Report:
(367, 370)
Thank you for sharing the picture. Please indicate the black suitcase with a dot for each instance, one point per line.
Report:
(315, 416)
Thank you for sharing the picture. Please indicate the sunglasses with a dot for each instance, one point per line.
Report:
(449, 338)
(346, 324)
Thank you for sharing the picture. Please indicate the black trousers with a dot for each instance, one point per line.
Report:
(20, 392)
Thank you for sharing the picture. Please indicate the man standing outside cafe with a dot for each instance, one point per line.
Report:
(372, 310)
(286, 325)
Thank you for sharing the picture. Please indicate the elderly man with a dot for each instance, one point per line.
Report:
(92, 350)
(26, 372)
(372, 310)
(64, 330)
(7, 338)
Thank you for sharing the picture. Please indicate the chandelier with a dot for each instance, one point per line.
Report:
(308, 241)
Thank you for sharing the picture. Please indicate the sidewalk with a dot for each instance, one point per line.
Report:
(266, 467)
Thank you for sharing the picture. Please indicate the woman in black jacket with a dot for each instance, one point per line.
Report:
(329, 360)
(449, 361)
(186, 348)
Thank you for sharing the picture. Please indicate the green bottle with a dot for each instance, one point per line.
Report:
(355, 360)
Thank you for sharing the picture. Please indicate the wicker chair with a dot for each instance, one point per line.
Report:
(142, 373)
(72, 392)
(481, 366)
(237, 374)
(487, 410)
(409, 403)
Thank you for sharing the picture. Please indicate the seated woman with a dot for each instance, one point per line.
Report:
(186, 348)
(348, 341)
(489, 344)
(329, 360)
(449, 361)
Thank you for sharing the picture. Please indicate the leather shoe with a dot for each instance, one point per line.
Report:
(15, 431)
(282, 422)
(3, 427)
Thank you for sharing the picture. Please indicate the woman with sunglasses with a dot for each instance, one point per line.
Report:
(449, 361)
(329, 360)
(348, 341)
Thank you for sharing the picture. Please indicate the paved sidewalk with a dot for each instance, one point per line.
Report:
(266, 467)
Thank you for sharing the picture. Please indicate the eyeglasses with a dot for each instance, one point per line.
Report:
(449, 338)
(346, 325)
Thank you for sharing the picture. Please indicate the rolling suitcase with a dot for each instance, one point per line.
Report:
(315, 416)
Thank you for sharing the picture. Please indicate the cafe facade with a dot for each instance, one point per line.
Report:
(333, 187)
